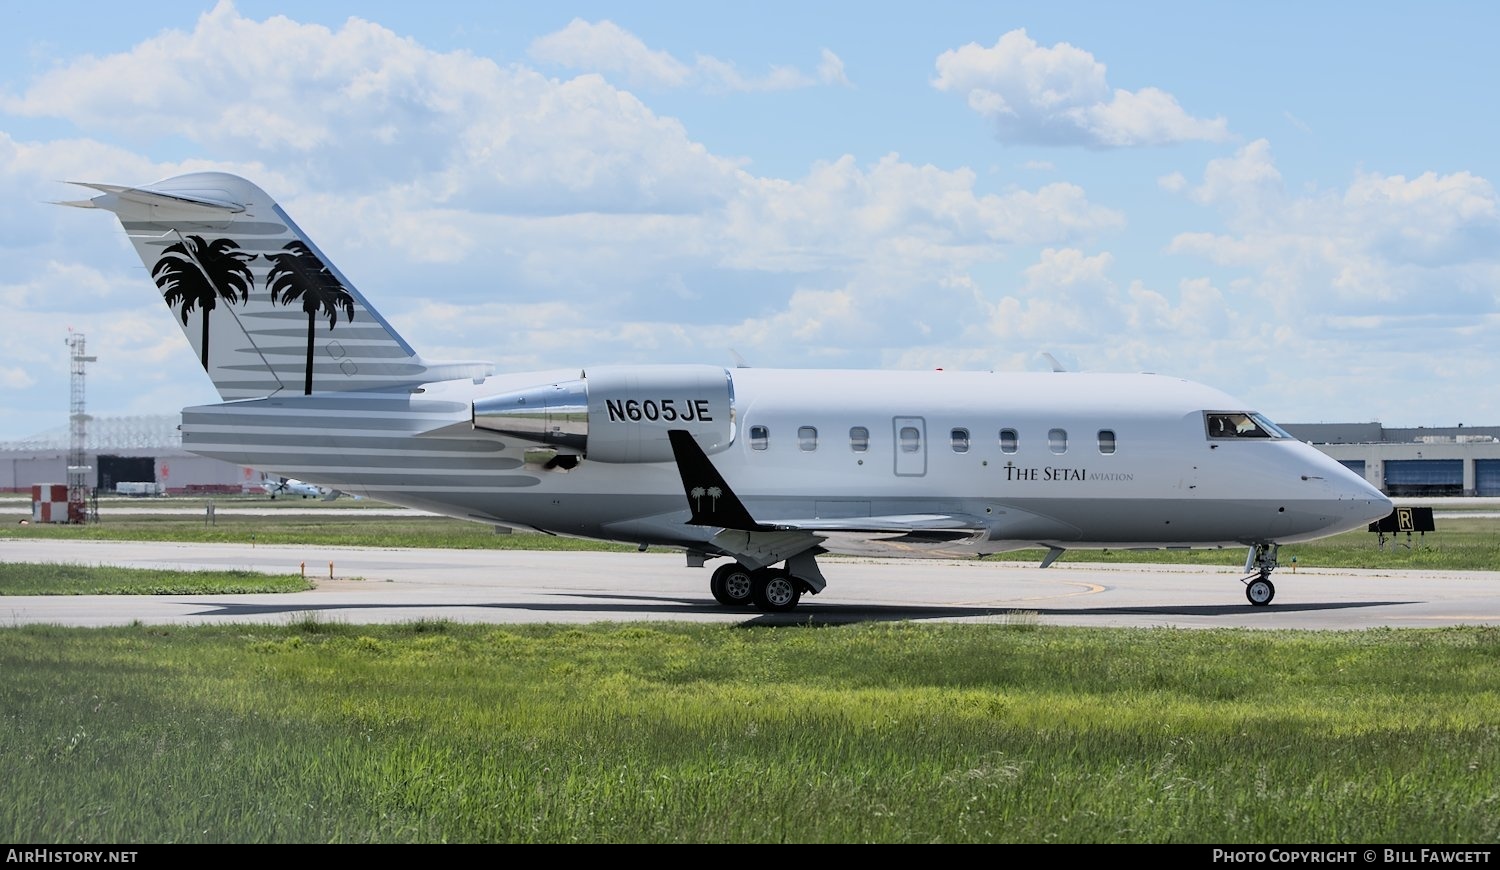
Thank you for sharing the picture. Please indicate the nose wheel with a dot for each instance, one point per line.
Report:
(1258, 587)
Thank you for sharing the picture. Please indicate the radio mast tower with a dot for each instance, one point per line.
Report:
(78, 468)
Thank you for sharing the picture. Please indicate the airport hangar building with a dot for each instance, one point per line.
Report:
(122, 450)
(1424, 462)
(1421, 462)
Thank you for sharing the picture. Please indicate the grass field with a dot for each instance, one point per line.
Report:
(21, 578)
(873, 733)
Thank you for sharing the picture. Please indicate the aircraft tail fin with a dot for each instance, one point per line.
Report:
(265, 310)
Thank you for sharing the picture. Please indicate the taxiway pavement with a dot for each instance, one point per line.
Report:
(372, 585)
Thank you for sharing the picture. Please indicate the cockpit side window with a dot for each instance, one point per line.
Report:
(1241, 424)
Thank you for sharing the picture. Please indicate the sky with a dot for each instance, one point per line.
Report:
(1292, 202)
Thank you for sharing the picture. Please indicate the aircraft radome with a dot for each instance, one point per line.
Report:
(765, 468)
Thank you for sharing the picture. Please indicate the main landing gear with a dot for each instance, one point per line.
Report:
(731, 585)
(770, 589)
(1258, 587)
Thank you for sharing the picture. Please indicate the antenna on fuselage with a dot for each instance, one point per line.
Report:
(1052, 361)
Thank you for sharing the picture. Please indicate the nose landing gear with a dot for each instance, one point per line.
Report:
(1258, 587)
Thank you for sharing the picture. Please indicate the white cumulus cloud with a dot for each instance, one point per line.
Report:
(15, 378)
(607, 48)
(1059, 96)
(1322, 260)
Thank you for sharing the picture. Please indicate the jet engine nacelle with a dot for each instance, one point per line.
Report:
(618, 413)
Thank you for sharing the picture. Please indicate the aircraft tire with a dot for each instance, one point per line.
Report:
(732, 585)
(776, 591)
(1260, 591)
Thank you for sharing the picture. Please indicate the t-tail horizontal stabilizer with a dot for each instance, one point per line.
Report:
(710, 499)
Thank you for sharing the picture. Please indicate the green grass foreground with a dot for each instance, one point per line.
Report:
(345, 530)
(21, 578)
(1010, 732)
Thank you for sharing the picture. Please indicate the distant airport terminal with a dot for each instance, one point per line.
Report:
(144, 456)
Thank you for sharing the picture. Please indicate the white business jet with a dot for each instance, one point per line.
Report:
(764, 468)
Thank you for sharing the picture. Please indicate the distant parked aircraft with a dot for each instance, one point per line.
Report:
(292, 486)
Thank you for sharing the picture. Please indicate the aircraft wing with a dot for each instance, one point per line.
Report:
(959, 524)
(890, 535)
(898, 532)
(798, 539)
(757, 543)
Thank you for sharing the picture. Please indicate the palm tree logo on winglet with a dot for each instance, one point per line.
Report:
(196, 274)
(299, 274)
(698, 492)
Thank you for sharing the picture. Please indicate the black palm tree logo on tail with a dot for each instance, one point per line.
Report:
(197, 274)
(299, 274)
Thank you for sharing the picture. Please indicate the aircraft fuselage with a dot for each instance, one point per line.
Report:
(1074, 460)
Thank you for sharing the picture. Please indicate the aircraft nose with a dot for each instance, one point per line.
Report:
(1363, 502)
(1376, 507)
(1345, 500)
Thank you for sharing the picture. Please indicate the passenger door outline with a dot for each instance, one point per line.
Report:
(911, 452)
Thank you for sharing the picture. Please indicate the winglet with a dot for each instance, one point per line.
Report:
(709, 497)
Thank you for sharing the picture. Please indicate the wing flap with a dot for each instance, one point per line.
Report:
(760, 549)
(962, 525)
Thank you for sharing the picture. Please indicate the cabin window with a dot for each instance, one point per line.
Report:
(1106, 441)
(1057, 441)
(759, 437)
(911, 439)
(807, 438)
(1008, 441)
(859, 439)
(960, 440)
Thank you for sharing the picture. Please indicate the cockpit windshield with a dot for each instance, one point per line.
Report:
(1241, 424)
